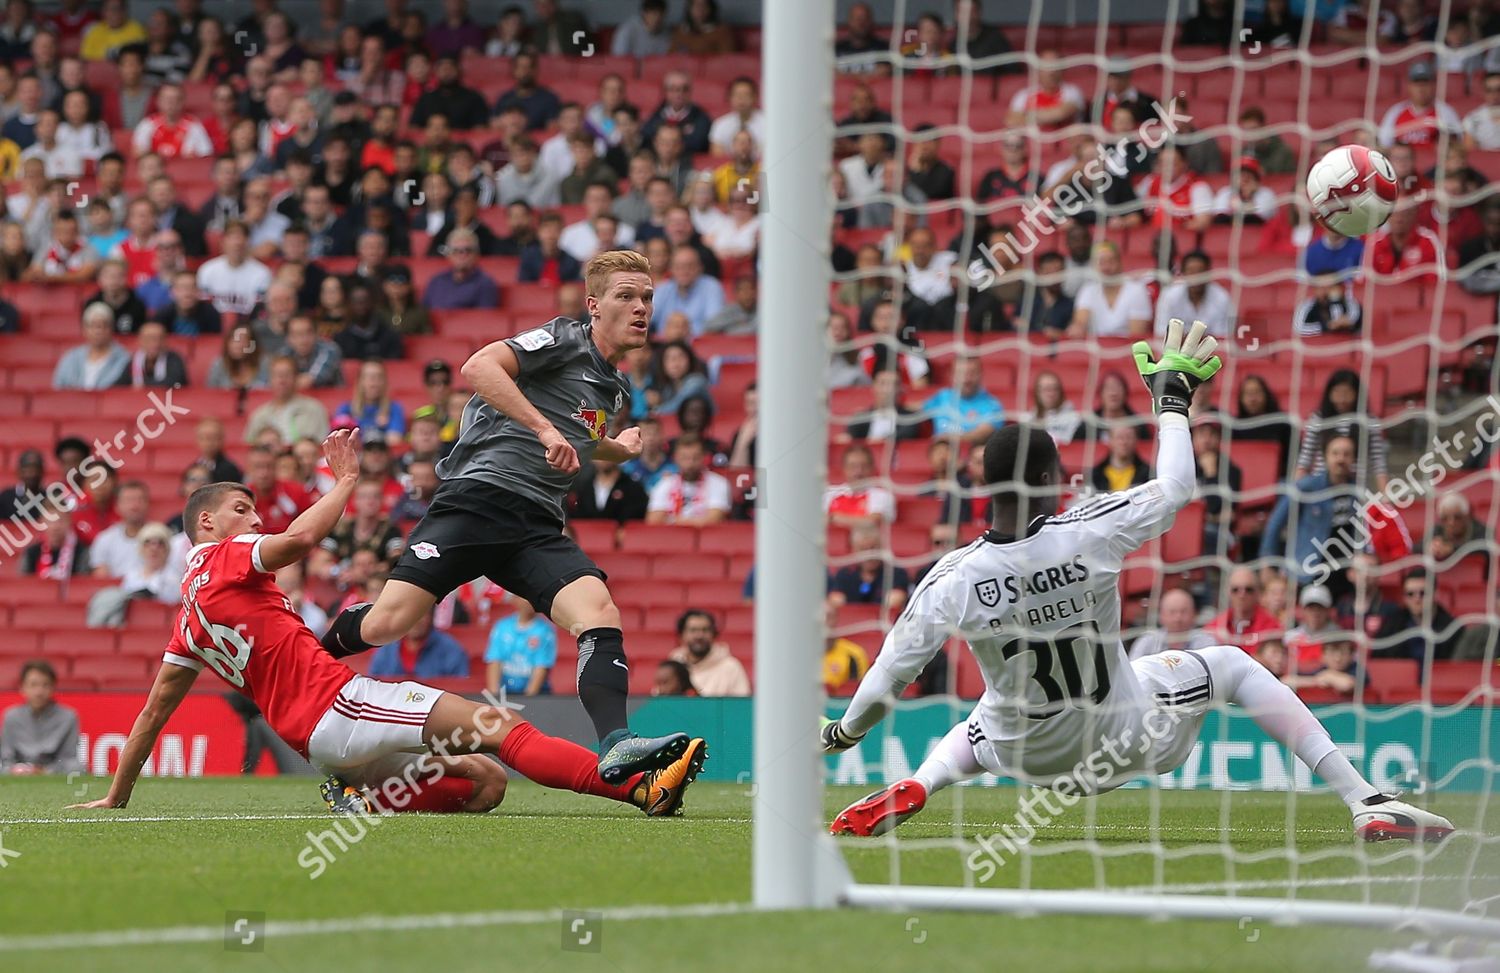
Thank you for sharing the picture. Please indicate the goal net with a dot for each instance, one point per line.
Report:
(1012, 203)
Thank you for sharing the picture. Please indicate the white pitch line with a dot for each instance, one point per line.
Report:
(187, 818)
(1101, 831)
(322, 927)
(1297, 884)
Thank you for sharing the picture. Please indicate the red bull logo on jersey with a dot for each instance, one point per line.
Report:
(593, 420)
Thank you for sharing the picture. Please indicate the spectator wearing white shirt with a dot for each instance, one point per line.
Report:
(929, 282)
(692, 496)
(743, 115)
(1248, 199)
(556, 157)
(116, 552)
(580, 240)
(703, 206)
(738, 235)
(154, 577)
(234, 282)
(90, 139)
(1051, 103)
(1482, 125)
(1196, 298)
(864, 172)
(60, 160)
(1110, 305)
(1421, 119)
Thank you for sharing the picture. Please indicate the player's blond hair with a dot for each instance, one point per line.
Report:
(601, 266)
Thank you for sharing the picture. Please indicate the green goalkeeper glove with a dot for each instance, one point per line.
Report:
(1185, 364)
(833, 739)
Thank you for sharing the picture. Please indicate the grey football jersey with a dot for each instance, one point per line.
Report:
(565, 377)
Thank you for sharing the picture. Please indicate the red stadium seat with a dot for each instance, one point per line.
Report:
(665, 540)
(690, 568)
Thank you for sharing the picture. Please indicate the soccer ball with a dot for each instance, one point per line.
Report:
(1353, 190)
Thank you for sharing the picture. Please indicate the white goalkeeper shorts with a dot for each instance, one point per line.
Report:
(1152, 735)
(370, 719)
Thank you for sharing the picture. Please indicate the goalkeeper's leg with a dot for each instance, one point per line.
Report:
(1237, 678)
(951, 762)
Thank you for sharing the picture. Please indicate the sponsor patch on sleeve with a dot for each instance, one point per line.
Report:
(1146, 493)
(535, 340)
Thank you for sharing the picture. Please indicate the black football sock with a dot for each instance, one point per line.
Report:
(604, 682)
(342, 638)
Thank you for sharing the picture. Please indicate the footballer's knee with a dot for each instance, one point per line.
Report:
(583, 605)
(491, 724)
(395, 612)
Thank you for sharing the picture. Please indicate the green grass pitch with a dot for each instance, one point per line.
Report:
(482, 892)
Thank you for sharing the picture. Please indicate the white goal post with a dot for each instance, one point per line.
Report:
(796, 864)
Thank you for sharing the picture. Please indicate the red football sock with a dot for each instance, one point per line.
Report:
(446, 795)
(557, 763)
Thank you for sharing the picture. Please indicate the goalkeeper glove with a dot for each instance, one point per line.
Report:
(833, 739)
(1185, 363)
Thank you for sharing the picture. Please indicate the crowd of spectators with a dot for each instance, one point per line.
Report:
(343, 154)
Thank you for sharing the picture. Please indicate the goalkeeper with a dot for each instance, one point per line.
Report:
(1036, 598)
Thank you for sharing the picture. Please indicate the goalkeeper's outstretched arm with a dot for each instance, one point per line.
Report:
(910, 645)
(1187, 361)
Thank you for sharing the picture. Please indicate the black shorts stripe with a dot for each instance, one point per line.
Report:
(1207, 672)
(1177, 699)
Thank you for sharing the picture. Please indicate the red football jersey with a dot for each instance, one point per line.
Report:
(238, 623)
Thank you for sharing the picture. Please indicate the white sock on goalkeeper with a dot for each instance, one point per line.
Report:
(1238, 679)
(1286, 719)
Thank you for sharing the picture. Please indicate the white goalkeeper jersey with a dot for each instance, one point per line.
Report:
(1041, 614)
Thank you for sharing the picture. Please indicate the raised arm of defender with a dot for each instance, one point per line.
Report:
(307, 531)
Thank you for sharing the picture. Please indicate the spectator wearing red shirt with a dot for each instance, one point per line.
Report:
(278, 125)
(138, 249)
(1051, 103)
(379, 150)
(278, 502)
(221, 118)
(1245, 622)
(69, 23)
(169, 132)
(1174, 195)
(96, 513)
(1407, 251)
(545, 261)
(1421, 119)
(376, 466)
(1451, 223)
(858, 500)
